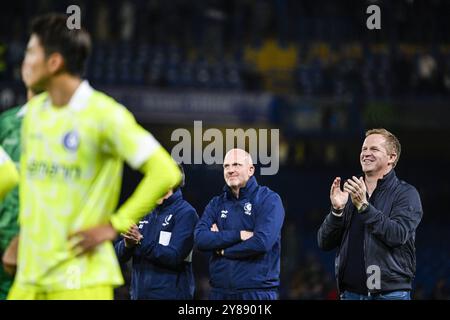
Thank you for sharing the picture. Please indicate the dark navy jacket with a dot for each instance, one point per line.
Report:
(246, 265)
(163, 271)
(391, 220)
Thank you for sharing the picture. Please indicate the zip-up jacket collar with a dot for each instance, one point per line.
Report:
(244, 192)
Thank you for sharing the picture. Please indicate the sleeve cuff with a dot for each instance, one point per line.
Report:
(148, 248)
(336, 214)
(128, 249)
(335, 220)
(370, 214)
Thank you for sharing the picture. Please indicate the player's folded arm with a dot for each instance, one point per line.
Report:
(267, 230)
(207, 240)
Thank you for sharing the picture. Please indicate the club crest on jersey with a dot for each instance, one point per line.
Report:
(71, 140)
(248, 208)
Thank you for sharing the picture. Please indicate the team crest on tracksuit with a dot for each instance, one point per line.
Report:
(248, 208)
(167, 220)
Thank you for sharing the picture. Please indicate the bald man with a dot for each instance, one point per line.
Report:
(242, 229)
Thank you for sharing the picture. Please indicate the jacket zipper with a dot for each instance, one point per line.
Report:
(230, 265)
(366, 236)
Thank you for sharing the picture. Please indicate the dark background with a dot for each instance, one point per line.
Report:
(309, 68)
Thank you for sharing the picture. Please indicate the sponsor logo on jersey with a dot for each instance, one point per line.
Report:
(40, 169)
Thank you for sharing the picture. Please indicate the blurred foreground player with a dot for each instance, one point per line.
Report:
(74, 141)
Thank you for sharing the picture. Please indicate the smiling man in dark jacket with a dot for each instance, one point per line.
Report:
(161, 248)
(242, 229)
(374, 233)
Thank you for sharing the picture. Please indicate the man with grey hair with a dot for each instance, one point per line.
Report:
(374, 233)
(242, 229)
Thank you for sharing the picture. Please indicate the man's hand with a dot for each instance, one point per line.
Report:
(87, 240)
(338, 197)
(214, 228)
(357, 190)
(132, 237)
(245, 235)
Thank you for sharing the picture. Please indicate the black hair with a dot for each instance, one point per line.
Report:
(54, 36)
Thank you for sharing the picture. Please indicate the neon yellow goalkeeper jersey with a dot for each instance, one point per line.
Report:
(71, 164)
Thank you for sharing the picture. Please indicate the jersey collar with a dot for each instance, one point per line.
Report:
(81, 96)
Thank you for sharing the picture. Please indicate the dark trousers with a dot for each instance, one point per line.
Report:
(244, 295)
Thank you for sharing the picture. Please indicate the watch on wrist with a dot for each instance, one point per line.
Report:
(363, 208)
(337, 211)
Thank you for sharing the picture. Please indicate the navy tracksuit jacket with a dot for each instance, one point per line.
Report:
(162, 267)
(251, 265)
